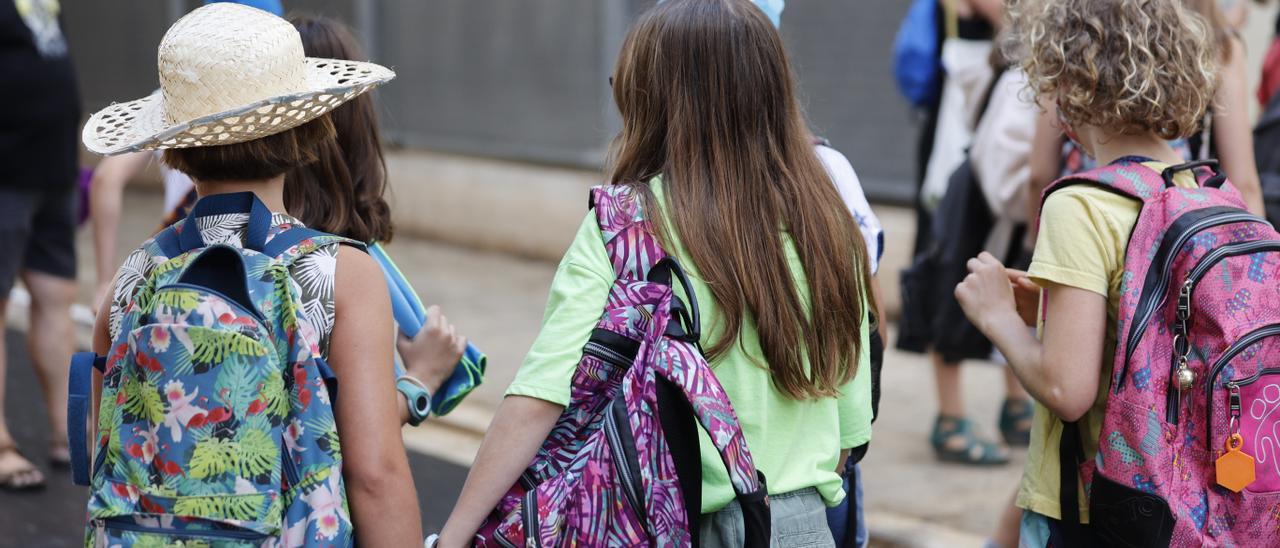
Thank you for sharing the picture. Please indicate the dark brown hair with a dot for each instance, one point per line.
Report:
(344, 192)
(263, 158)
(708, 103)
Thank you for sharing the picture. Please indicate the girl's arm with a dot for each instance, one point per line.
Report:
(105, 202)
(380, 490)
(1233, 131)
(518, 429)
(1062, 372)
(101, 346)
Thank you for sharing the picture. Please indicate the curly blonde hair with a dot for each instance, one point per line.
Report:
(1123, 66)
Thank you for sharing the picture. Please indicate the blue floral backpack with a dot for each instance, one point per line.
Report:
(215, 423)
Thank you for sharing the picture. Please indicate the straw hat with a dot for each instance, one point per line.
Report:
(229, 74)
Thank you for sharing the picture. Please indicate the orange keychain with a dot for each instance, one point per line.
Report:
(1235, 467)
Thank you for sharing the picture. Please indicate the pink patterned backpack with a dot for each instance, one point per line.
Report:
(622, 465)
(1189, 453)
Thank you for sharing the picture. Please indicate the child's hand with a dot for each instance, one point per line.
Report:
(1026, 294)
(986, 294)
(431, 355)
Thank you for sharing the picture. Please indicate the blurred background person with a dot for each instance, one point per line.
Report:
(38, 147)
(970, 26)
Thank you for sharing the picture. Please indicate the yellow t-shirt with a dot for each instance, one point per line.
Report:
(1084, 230)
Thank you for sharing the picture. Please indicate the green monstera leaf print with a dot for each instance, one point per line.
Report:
(212, 457)
(211, 346)
(258, 454)
(142, 399)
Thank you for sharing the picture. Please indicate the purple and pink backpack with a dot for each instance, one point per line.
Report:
(1196, 376)
(622, 465)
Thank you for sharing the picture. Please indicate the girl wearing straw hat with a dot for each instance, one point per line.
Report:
(239, 106)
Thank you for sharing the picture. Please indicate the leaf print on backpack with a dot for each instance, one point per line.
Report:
(212, 457)
(142, 400)
(216, 347)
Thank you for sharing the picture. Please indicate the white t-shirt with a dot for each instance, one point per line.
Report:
(850, 188)
(176, 184)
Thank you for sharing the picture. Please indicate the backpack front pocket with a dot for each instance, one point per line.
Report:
(1251, 405)
(166, 531)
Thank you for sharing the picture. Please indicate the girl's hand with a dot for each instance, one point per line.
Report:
(1026, 294)
(431, 355)
(986, 294)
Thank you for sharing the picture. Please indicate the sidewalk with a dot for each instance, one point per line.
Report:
(497, 301)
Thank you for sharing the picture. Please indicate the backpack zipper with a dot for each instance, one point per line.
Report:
(529, 513)
(627, 467)
(1233, 386)
(1178, 369)
(1249, 339)
(606, 354)
(1153, 297)
(118, 524)
(231, 302)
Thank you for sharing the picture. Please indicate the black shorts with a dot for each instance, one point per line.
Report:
(37, 233)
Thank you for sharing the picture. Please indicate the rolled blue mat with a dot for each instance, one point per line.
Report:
(410, 316)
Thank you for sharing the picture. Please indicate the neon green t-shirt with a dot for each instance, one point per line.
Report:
(795, 443)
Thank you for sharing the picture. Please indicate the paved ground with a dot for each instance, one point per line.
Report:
(497, 300)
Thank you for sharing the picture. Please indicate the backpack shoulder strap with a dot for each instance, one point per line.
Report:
(628, 237)
(636, 255)
(293, 243)
(1128, 179)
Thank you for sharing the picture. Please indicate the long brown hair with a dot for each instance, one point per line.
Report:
(708, 103)
(343, 192)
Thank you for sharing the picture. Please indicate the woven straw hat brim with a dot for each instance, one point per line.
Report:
(140, 124)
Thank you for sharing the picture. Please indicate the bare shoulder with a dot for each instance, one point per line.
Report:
(358, 279)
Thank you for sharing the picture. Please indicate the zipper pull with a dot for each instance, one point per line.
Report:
(1184, 304)
(1235, 468)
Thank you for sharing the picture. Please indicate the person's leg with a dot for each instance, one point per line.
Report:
(953, 437)
(1006, 533)
(16, 472)
(861, 538)
(50, 342)
(49, 272)
(946, 378)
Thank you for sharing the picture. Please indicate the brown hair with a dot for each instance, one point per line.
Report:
(1220, 31)
(344, 192)
(707, 102)
(1123, 66)
(263, 158)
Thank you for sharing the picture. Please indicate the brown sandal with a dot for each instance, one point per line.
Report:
(23, 477)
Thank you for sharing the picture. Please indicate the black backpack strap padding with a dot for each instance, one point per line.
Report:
(680, 429)
(756, 520)
(876, 350)
(1070, 454)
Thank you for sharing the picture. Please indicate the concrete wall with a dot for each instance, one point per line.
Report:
(527, 81)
